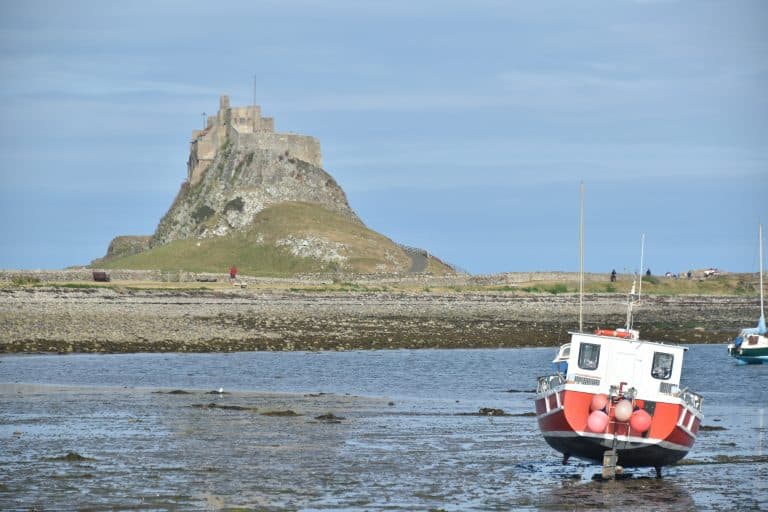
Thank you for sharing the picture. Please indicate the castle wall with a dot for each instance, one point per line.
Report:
(237, 123)
(302, 147)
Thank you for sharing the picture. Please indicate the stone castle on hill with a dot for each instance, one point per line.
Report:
(239, 165)
(245, 125)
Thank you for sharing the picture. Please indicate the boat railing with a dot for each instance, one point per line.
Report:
(686, 395)
(691, 398)
(550, 382)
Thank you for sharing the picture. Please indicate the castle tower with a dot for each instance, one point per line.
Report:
(244, 126)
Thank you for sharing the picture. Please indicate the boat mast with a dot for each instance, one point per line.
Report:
(762, 304)
(642, 253)
(581, 258)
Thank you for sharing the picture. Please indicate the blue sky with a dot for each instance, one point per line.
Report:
(460, 127)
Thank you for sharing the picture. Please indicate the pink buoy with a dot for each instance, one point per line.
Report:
(623, 410)
(598, 402)
(640, 421)
(597, 421)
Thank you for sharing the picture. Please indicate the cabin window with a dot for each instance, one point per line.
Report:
(589, 356)
(662, 365)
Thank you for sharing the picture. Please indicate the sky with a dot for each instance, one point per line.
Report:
(463, 128)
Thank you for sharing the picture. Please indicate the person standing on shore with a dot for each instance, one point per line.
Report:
(232, 274)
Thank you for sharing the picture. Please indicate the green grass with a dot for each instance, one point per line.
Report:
(554, 288)
(254, 252)
(217, 255)
(557, 288)
(25, 280)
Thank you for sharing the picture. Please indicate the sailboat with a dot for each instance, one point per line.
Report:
(751, 345)
(616, 398)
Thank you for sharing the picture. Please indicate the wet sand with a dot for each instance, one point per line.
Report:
(64, 320)
(104, 448)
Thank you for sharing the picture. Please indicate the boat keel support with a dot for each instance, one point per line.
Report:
(610, 468)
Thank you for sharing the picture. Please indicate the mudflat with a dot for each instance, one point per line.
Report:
(120, 319)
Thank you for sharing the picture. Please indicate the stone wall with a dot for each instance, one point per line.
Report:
(301, 147)
(79, 274)
(512, 278)
(85, 274)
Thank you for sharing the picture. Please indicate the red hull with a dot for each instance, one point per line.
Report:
(562, 417)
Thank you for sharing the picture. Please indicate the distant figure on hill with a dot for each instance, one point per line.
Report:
(613, 276)
(648, 272)
(232, 273)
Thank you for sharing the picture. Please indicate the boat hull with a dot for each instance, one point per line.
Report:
(747, 359)
(750, 354)
(562, 417)
(630, 454)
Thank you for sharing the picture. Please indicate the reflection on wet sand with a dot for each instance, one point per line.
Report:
(633, 493)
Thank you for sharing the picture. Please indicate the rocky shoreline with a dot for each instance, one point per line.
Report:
(65, 320)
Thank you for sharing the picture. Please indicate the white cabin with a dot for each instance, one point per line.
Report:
(643, 369)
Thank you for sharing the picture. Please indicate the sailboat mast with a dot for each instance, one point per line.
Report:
(760, 237)
(581, 258)
(642, 253)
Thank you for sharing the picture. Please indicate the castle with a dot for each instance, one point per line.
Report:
(239, 167)
(244, 126)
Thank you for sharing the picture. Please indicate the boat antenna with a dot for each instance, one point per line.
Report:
(634, 281)
(581, 257)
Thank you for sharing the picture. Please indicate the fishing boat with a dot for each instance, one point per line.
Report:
(615, 398)
(751, 345)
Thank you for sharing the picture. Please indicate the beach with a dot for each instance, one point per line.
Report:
(61, 319)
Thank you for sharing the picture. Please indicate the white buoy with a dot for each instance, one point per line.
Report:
(623, 410)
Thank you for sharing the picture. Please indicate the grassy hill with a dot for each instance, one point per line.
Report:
(285, 239)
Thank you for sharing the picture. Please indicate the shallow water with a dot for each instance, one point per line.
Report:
(407, 440)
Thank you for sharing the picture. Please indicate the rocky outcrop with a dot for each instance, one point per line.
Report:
(242, 181)
(249, 172)
(124, 245)
(247, 182)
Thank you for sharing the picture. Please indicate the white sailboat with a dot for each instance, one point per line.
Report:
(751, 345)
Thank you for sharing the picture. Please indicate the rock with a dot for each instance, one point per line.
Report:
(286, 413)
(224, 407)
(329, 418)
(70, 457)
